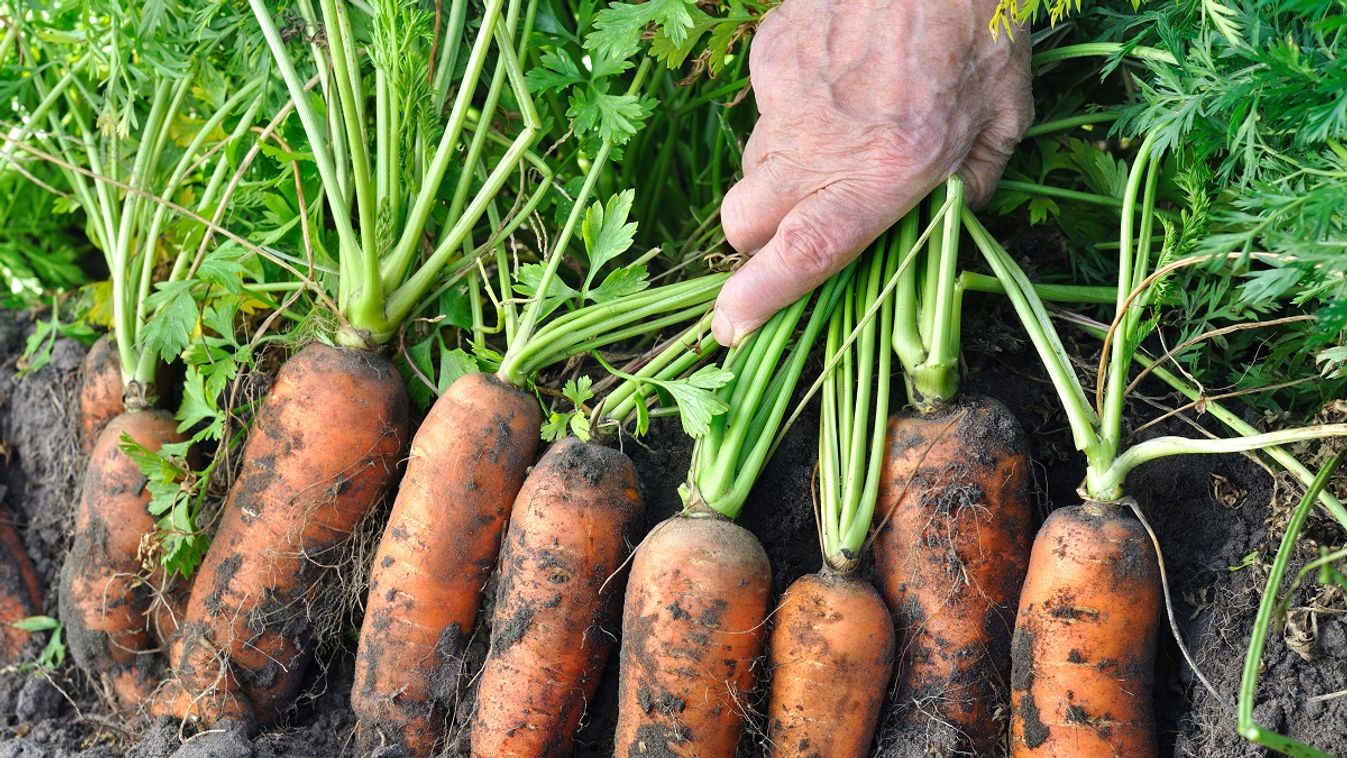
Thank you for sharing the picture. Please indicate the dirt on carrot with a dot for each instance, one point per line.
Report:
(556, 613)
(100, 390)
(950, 562)
(1084, 647)
(832, 651)
(467, 462)
(322, 452)
(693, 627)
(105, 591)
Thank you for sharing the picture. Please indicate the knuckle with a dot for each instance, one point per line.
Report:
(806, 249)
(905, 150)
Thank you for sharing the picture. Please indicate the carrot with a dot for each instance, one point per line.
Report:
(322, 452)
(100, 390)
(832, 647)
(20, 593)
(833, 637)
(554, 619)
(467, 463)
(692, 625)
(950, 562)
(103, 599)
(1084, 648)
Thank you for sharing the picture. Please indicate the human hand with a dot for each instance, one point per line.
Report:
(865, 107)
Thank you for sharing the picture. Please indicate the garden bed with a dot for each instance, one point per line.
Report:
(1211, 515)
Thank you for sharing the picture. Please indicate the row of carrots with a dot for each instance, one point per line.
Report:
(939, 494)
(967, 613)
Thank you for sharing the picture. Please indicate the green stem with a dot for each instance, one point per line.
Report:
(937, 378)
(727, 461)
(404, 252)
(1034, 317)
(318, 137)
(907, 330)
(1253, 660)
(1233, 422)
(688, 349)
(1107, 484)
(1070, 122)
(1053, 293)
(1046, 190)
(586, 328)
(1102, 49)
(1130, 266)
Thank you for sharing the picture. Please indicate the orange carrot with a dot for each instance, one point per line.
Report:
(20, 593)
(833, 636)
(467, 463)
(322, 452)
(555, 617)
(1084, 647)
(100, 390)
(103, 599)
(692, 627)
(950, 562)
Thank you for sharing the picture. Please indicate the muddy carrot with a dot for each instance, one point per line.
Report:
(20, 592)
(694, 621)
(100, 395)
(104, 598)
(323, 450)
(1084, 648)
(831, 652)
(950, 562)
(467, 463)
(832, 645)
(952, 553)
(555, 616)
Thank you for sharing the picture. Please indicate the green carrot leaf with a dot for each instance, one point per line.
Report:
(620, 283)
(579, 391)
(610, 117)
(606, 231)
(556, 71)
(619, 28)
(558, 292)
(168, 333)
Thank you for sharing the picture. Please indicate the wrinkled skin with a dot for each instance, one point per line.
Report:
(865, 107)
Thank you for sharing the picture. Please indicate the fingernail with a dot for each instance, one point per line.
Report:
(723, 329)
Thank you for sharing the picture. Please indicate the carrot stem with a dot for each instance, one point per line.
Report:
(1253, 661)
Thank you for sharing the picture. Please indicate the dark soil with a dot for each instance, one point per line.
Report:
(1209, 513)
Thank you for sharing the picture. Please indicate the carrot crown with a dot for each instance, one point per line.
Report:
(1097, 429)
(130, 138)
(926, 335)
(384, 152)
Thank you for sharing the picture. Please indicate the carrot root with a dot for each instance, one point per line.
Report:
(950, 562)
(20, 593)
(832, 652)
(556, 609)
(100, 396)
(1084, 648)
(467, 462)
(104, 600)
(692, 628)
(322, 452)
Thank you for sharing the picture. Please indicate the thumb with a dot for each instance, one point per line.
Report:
(816, 239)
